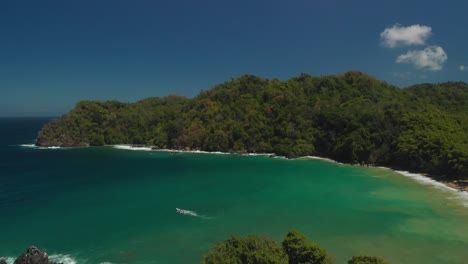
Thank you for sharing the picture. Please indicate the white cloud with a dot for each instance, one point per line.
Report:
(462, 68)
(405, 36)
(431, 58)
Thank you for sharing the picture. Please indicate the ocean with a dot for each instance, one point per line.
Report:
(117, 205)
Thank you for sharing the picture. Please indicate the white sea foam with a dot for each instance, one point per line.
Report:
(197, 151)
(9, 260)
(280, 157)
(259, 154)
(129, 147)
(192, 213)
(62, 258)
(28, 146)
(149, 148)
(320, 158)
(37, 147)
(426, 180)
(385, 168)
(193, 151)
(462, 196)
(51, 147)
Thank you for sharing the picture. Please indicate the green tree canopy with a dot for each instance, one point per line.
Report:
(300, 250)
(248, 250)
(366, 260)
(295, 249)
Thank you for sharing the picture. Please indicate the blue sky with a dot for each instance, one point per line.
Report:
(55, 53)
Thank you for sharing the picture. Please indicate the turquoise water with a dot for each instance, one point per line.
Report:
(95, 205)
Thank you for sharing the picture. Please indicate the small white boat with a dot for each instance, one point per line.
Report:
(186, 212)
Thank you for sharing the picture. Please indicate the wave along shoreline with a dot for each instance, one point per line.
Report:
(422, 179)
(425, 180)
(38, 147)
(150, 148)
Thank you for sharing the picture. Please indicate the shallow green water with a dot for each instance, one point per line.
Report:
(110, 205)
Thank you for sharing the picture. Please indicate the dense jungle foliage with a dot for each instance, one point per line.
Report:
(350, 117)
(295, 249)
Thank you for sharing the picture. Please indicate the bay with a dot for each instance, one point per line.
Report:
(97, 205)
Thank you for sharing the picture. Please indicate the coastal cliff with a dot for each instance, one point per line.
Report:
(350, 117)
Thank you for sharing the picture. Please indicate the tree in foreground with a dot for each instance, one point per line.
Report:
(295, 249)
(366, 260)
(249, 250)
(300, 250)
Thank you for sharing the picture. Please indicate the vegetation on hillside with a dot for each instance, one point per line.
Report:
(295, 249)
(450, 96)
(350, 117)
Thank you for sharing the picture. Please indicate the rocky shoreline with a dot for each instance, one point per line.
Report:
(32, 256)
(461, 185)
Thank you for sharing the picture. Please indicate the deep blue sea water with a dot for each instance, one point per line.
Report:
(108, 205)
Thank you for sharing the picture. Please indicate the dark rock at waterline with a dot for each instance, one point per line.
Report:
(61, 141)
(34, 256)
(57, 133)
(2, 261)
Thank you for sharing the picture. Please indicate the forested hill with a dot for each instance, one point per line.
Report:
(350, 117)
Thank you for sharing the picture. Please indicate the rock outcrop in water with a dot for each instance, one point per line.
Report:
(32, 256)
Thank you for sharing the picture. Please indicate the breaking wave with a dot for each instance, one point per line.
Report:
(128, 147)
(462, 196)
(60, 258)
(37, 147)
(28, 146)
(9, 260)
(136, 148)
